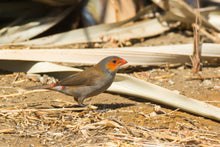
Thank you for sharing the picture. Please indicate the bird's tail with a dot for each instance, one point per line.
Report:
(41, 87)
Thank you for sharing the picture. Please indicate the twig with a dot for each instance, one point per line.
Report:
(16, 77)
(47, 110)
(173, 111)
(20, 81)
(197, 46)
(214, 38)
(124, 125)
(23, 92)
(164, 76)
(7, 131)
(201, 77)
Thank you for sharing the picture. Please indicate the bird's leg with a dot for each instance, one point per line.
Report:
(80, 101)
(90, 107)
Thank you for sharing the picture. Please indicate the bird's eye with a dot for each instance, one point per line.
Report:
(114, 61)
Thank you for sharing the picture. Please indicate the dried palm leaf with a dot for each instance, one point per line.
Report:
(135, 55)
(14, 32)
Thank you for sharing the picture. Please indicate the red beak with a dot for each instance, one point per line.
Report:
(123, 61)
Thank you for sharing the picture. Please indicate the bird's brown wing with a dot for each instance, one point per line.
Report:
(87, 77)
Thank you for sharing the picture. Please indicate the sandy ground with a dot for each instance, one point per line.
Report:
(119, 120)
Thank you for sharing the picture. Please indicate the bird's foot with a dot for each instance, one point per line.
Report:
(92, 107)
(89, 107)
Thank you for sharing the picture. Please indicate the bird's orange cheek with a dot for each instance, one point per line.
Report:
(111, 66)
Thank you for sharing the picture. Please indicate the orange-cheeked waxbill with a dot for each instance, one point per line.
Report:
(90, 82)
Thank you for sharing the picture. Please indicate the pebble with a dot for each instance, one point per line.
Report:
(216, 87)
(206, 83)
(171, 82)
(44, 79)
(181, 68)
(34, 77)
(152, 114)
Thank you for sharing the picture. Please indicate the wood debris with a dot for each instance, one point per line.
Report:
(45, 124)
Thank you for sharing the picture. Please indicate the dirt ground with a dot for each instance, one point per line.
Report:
(119, 120)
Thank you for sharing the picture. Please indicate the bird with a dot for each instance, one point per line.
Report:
(90, 82)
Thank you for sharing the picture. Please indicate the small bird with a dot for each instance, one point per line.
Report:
(90, 82)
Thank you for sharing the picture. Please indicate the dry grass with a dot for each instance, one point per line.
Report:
(92, 127)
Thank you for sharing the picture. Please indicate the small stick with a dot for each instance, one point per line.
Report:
(23, 92)
(7, 131)
(47, 110)
(16, 77)
(201, 77)
(197, 45)
(124, 125)
(164, 76)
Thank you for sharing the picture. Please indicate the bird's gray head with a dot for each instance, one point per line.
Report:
(111, 64)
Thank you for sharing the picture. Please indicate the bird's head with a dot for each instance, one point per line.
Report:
(112, 63)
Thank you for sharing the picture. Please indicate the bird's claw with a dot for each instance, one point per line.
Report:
(90, 107)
